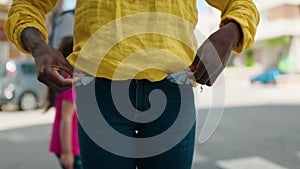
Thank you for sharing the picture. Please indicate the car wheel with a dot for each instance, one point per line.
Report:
(28, 101)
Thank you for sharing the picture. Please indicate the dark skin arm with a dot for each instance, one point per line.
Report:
(213, 54)
(211, 59)
(48, 60)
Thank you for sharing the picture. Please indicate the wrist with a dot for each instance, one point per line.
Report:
(235, 32)
(32, 39)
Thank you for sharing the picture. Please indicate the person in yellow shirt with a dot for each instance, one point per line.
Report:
(133, 47)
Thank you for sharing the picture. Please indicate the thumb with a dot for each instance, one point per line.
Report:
(67, 67)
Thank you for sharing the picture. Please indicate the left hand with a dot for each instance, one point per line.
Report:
(214, 53)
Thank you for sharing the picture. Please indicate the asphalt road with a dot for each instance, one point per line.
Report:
(270, 134)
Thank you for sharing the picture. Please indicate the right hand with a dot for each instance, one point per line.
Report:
(49, 61)
(67, 160)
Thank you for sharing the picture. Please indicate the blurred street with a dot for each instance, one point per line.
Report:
(268, 134)
(236, 91)
(239, 91)
(259, 128)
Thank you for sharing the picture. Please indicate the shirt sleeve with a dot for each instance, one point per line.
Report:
(27, 13)
(245, 13)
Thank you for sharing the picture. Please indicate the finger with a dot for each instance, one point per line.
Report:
(198, 73)
(67, 67)
(205, 79)
(205, 74)
(55, 81)
(202, 76)
(193, 66)
(210, 74)
(79, 73)
(60, 80)
(191, 75)
(75, 79)
(201, 70)
(54, 87)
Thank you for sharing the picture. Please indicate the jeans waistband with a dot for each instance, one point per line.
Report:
(179, 78)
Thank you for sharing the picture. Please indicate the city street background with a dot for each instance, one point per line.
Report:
(259, 128)
(260, 125)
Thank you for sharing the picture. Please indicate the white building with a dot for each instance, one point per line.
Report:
(7, 49)
(278, 34)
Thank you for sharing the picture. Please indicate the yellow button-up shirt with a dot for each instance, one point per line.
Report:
(125, 39)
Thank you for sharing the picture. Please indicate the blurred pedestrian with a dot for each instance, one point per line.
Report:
(160, 35)
(64, 139)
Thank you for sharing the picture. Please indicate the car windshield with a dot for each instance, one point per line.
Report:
(2, 72)
(28, 69)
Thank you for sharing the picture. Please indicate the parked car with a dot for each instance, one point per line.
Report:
(269, 76)
(19, 85)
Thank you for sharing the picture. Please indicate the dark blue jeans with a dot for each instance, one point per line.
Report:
(178, 98)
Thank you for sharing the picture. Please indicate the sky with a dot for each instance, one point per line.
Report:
(68, 4)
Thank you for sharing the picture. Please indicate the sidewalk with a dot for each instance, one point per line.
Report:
(238, 91)
(12, 120)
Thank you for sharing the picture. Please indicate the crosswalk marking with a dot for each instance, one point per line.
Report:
(298, 154)
(254, 162)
